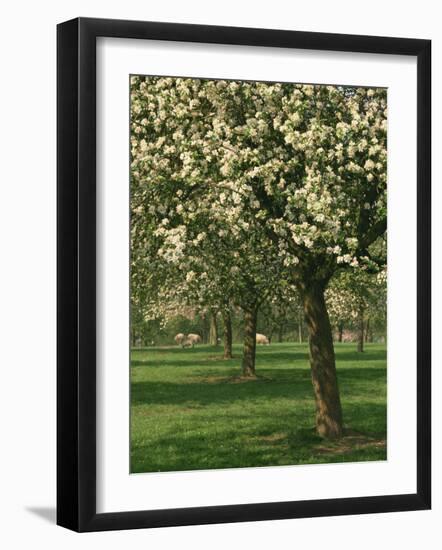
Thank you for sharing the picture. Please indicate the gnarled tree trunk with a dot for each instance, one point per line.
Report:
(227, 321)
(249, 350)
(322, 363)
(213, 332)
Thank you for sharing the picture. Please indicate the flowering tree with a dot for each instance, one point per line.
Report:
(281, 312)
(192, 232)
(355, 297)
(295, 175)
(213, 264)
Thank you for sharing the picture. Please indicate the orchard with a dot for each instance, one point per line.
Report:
(265, 203)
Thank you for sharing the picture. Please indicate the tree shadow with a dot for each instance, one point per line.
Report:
(239, 445)
(297, 385)
(361, 357)
(206, 389)
(353, 381)
(177, 363)
(216, 356)
(195, 453)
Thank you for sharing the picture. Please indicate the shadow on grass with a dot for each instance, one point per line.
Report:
(274, 384)
(216, 356)
(168, 393)
(356, 382)
(241, 448)
(194, 453)
(178, 363)
(266, 356)
(357, 357)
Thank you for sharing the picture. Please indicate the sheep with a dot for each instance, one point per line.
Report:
(193, 339)
(262, 339)
(186, 343)
(179, 339)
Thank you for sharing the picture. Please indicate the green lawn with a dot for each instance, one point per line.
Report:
(189, 411)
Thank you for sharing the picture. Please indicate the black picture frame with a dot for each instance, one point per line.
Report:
(77, 287)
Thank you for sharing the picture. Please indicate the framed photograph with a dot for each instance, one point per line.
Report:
(243, 274)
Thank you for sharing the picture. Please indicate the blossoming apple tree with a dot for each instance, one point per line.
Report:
(357, 297)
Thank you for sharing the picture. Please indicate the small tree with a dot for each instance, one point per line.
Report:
(354, 297)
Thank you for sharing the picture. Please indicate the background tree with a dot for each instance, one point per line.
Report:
(354, 298)
(281, 315)
(191, 231)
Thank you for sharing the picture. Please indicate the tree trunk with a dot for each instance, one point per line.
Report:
(367, 331)
(280, 333)
(213, 333)
(205, 328)
(361, 330)
(249, 350)
(300, 328)
(340, 331)
(227, 320)
(322, 363)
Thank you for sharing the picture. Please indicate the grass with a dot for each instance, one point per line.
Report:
(189, 411)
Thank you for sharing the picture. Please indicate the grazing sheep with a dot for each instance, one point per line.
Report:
(262, 339)
(193, 339)
(179, 339)
(186, 343)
